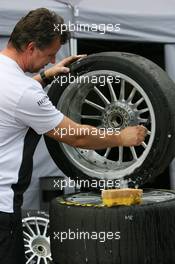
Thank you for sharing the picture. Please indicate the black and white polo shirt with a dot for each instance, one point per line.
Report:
(25, 113)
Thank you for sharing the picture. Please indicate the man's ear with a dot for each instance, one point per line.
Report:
(31, 46)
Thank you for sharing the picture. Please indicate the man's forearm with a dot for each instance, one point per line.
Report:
(93, 138)
(89, 137)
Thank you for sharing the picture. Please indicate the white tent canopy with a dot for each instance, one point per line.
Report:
(11, 12)
(139, 20)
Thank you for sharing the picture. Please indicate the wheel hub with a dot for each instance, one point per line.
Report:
(118, 115)
(40, 246)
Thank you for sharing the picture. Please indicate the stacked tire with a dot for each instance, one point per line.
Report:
(117, 235)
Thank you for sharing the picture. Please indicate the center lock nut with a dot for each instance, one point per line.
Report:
(118, 115)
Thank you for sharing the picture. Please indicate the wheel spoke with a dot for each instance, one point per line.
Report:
(120, 154)
(29, 260)
(37, 227)
(107, 152)
(112, 92)
(29, 228)
(139, 102)
(144, 145)
(45, 229)
(131, 96)
(38, 261)
(26, 234)
(91, 117)
(149, 133)
(28, 251)
(143, 111)
(94, 105)
(26, 245)
(142, 120)
(133, 153)
(122, 91)
(25, 240)
(45, 261)
(104, 99)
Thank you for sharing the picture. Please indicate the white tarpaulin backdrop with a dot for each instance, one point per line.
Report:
(144, 20)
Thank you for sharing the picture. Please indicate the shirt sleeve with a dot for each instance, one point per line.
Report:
(35, 110)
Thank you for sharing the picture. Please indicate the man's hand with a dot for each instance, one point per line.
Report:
(133, 136)
(61, 66)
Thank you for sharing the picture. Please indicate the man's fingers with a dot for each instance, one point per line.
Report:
(71, 59)
(81, 56)
(143, 130)
(64, 70)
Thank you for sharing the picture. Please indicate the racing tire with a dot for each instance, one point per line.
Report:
(139, 92)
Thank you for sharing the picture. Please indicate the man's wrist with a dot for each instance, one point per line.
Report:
(44, 77)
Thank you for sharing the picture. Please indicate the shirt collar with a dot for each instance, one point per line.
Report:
(10, 61)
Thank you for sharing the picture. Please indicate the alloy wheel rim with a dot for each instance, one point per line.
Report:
(36, 240)
(123, 105)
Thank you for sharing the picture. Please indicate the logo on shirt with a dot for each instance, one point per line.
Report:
(42, 100)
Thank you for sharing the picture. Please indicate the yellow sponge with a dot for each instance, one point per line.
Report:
(124, 196)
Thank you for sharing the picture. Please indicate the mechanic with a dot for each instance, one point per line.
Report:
(26, 113)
